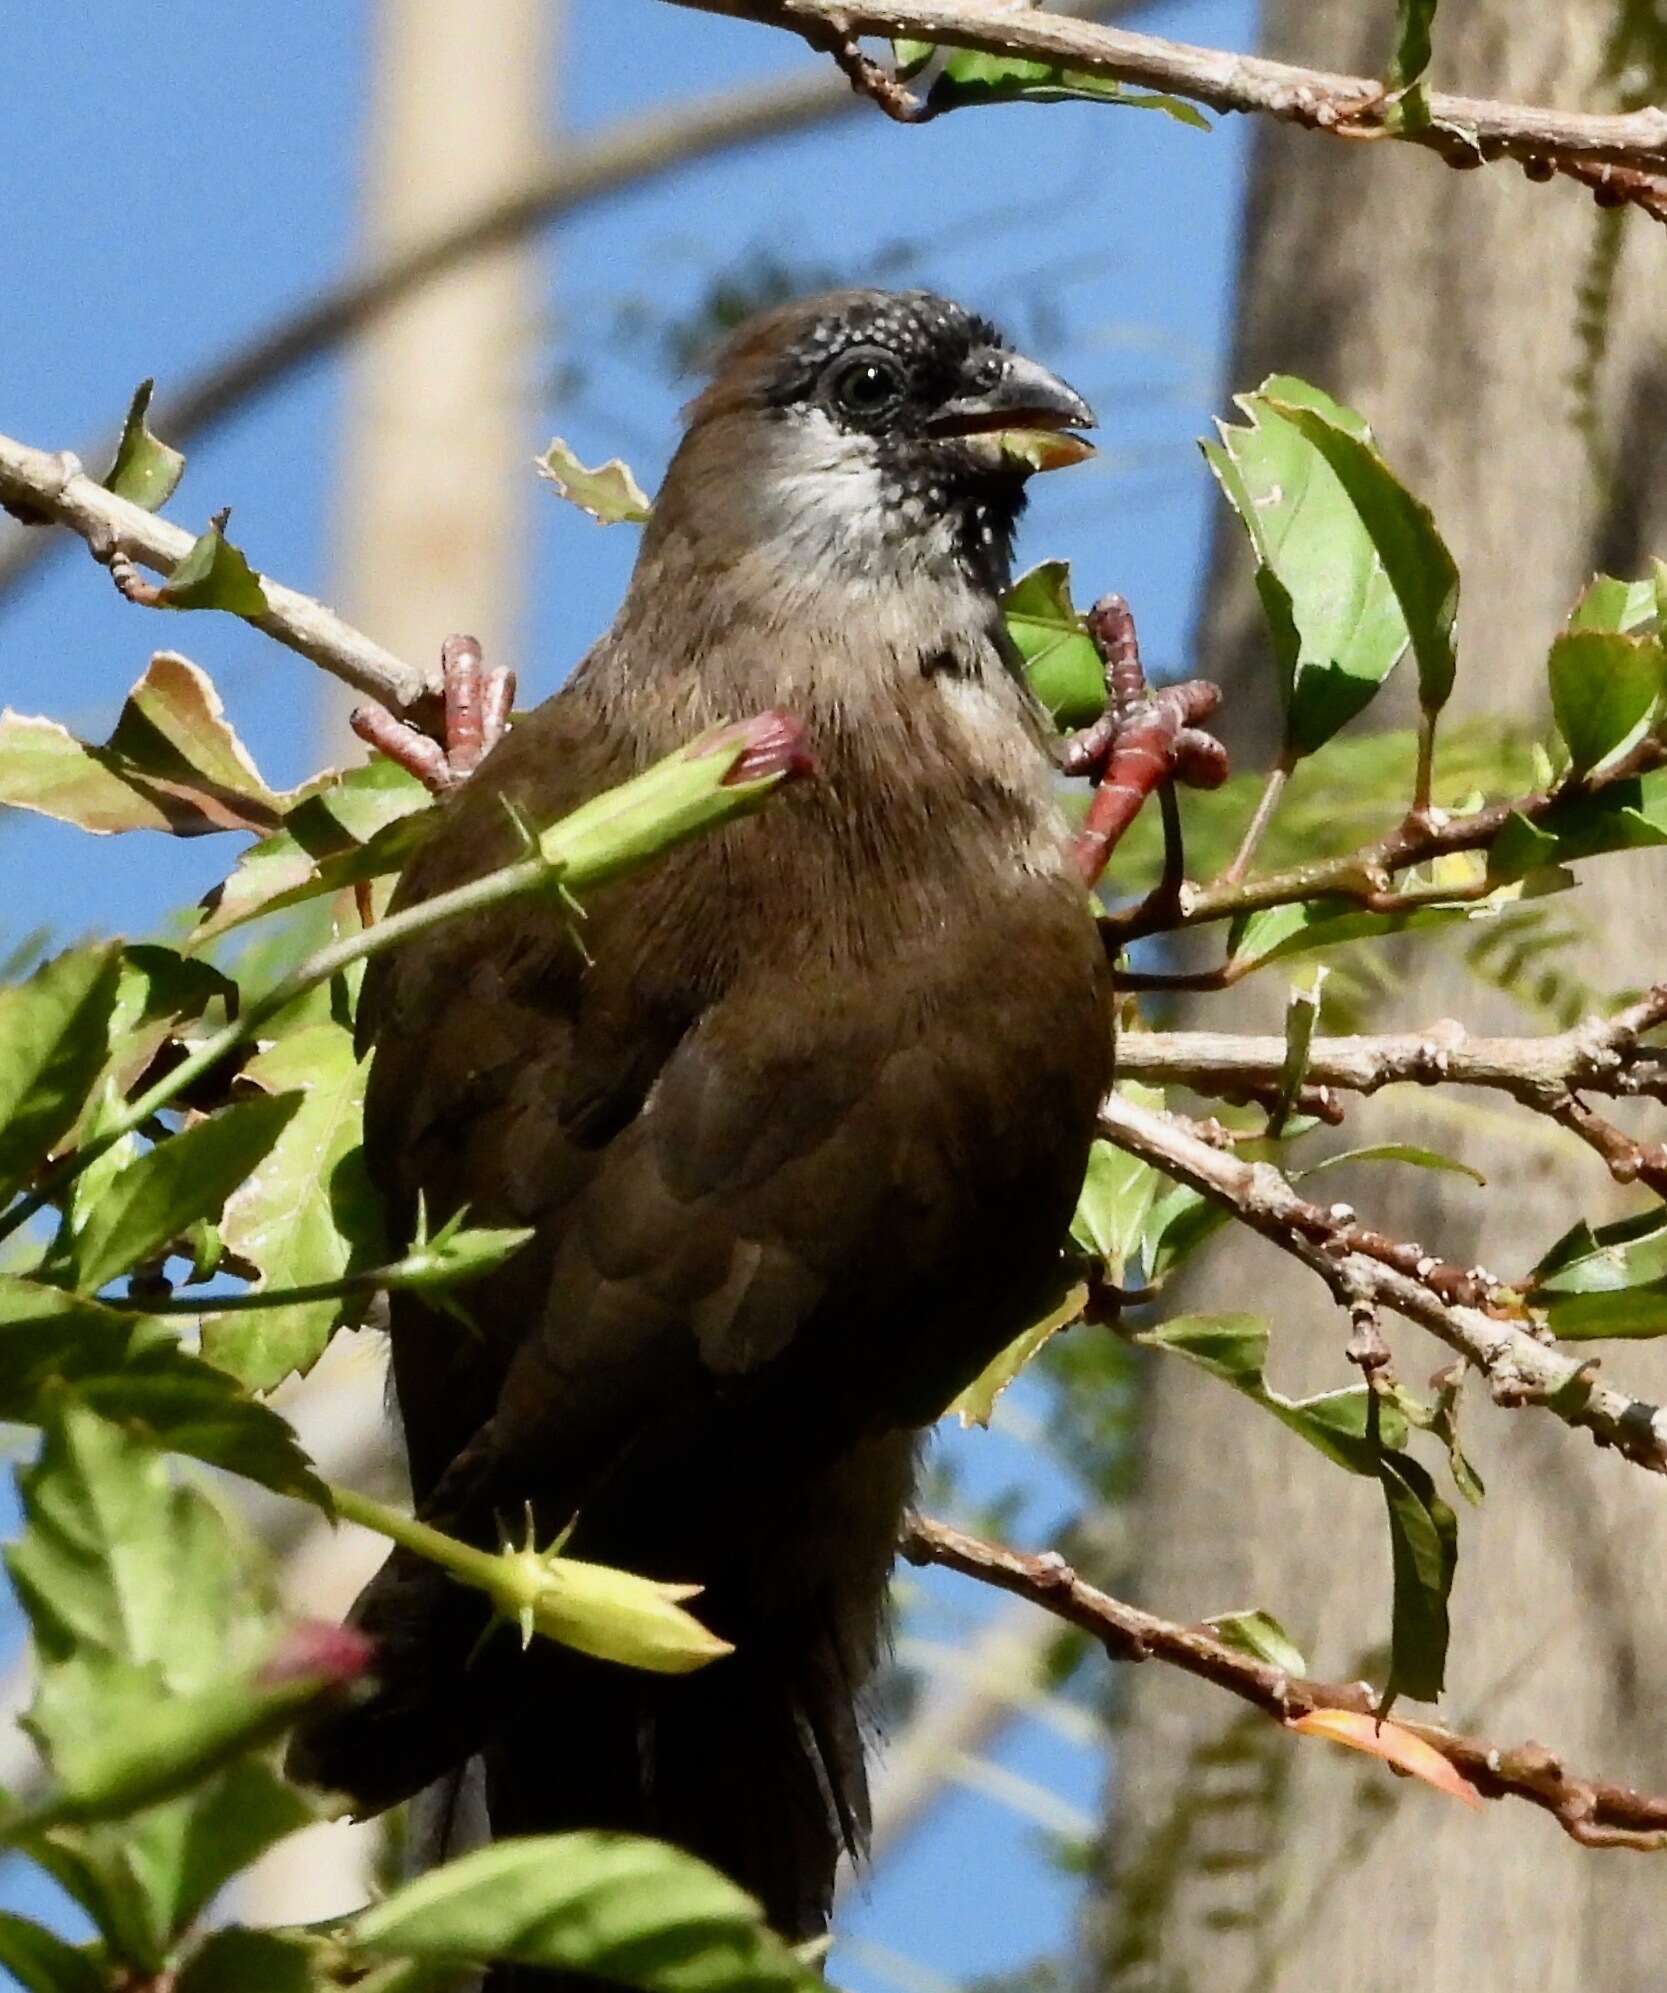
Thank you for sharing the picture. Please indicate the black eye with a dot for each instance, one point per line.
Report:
(866, 385)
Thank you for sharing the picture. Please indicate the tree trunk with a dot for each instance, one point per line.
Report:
(1444, 306)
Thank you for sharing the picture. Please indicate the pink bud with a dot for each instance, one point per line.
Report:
(315, 1649)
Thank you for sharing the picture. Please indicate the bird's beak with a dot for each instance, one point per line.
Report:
(1023, 420)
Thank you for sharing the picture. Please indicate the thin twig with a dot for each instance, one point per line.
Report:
(1594, 1812)
(58, 489)
(1464, 131)
(1256, 829)
(1471, 1312)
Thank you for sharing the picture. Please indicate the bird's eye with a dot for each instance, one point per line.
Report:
(867, 385)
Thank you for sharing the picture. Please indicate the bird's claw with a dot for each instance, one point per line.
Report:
(475, 704)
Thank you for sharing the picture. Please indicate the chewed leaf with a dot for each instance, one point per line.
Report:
(608, 493)
(173, 763)
(214, 575)
(145, 472)
(1396, 1746)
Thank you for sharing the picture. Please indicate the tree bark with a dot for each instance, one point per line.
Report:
(1443, 305)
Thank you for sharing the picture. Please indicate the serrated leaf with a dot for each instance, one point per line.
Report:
(173, 763)
(145, 471)
(308, 1214)
(1607, 692)
(1261, 1636)
(1415, 562)
(183, 1178)
(636, 1912)
(1061, 665)
(54, 1039)
(41, 1962)
(972, 77)
(213, 575)
(355, 826)
(1235, 1349)
(609, 493)
(1392, 1742)
(1424, 1544)
(133, 1371)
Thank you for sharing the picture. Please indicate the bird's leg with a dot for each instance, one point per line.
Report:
(1143, 740)
(474, 716)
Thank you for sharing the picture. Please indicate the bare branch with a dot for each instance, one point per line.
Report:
(1598, 1055)
(1594, 1812)
(1469, 1311)
(57, 489)
(1464, 131)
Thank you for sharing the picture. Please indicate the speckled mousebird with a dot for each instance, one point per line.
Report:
(799, 1129)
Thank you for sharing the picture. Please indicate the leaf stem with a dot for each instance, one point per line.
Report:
(1423, 779)
(1278, 776)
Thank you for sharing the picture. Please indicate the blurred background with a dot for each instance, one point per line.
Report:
(375, 254)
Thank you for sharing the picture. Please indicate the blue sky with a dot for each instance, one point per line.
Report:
(161, 199)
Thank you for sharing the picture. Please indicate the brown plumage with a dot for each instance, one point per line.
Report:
(800, 1138)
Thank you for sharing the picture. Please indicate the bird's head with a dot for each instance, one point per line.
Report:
(872, 432)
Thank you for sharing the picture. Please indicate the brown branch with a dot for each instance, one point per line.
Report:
(1594, 1812)
(1471, 1312)
(1464, 131)
(1598, 1055)
(57, 489)
(1365, 876)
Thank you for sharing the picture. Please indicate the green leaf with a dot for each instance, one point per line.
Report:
(631, 1911)
(1405, 81)
(1116, 1196)
(1235, 1349)
(357, 825)
(976, 1405)
(54, 1039)
(173, 763)
(1607, 693)
(1304, 927)
(457, 1253)
(910, 57)
(132, 1370)
(1302, 1017)
(1261, 1636)
(970, 77)
(309, 1214)
(1630, 1253)
(1061, 664)
(1415, 561)
(1393, 1152)
(155, 1636)
(39, 1962)
(1616, 606)
(1635, 1314)
(609, 493)
(237, 1960)
(214, 575)
(1181, 1220)
(145, 472)
(185, 1177)
(1424, 1544)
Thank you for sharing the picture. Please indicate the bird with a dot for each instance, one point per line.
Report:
(797, 1116)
